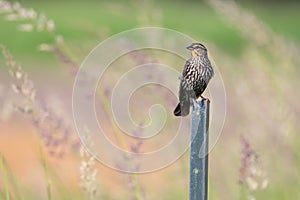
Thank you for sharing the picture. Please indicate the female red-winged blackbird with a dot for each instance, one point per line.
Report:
(195, 76)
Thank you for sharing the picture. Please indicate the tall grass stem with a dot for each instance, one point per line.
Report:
(3, 169)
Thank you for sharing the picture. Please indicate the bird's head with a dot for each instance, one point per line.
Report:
(197, 49)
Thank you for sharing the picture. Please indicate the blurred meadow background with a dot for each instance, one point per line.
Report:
(255, 44)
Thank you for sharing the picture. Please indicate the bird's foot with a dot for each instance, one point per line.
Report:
(203, 98)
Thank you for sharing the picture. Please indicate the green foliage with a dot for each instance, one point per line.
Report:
(5, 182)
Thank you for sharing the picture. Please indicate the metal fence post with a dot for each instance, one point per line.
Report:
(199, 151)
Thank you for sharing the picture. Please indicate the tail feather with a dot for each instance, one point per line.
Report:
(182, 109)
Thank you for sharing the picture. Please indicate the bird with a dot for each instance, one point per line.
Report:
(197, 73)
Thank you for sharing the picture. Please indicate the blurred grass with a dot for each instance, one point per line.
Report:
(282, 17)
(85, 24)
(46, 174)
(4, 177)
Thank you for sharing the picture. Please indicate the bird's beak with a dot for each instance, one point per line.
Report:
(190, 48)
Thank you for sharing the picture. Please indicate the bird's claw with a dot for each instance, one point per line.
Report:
(203, 98)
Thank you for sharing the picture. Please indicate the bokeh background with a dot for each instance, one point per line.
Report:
(255, 45)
